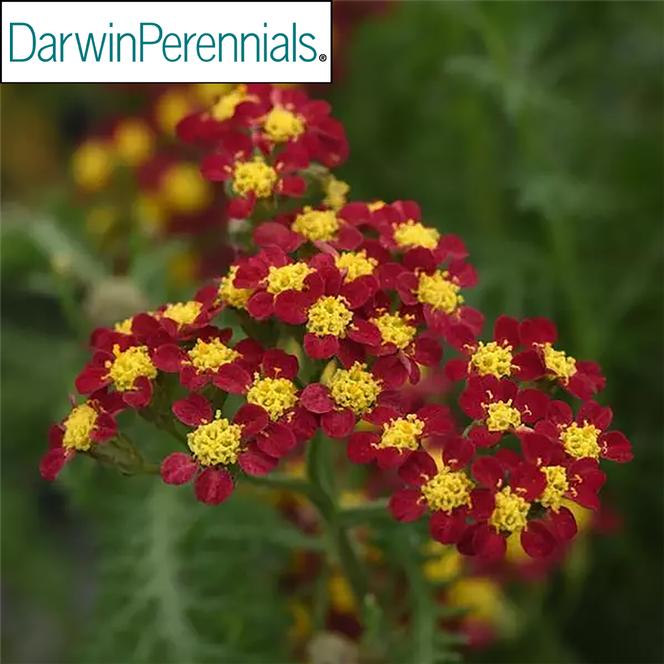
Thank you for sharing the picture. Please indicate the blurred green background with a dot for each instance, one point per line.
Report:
(534, 131)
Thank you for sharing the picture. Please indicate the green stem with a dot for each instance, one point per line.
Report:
(318, 472)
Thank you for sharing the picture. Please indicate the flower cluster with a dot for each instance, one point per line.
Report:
(367, 297)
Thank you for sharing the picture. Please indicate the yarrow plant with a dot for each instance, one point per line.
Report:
(340, 319)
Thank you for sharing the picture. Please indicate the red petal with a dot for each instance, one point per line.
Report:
(91, 379)
(482, 503)
(141, 395)
(427, 351)
(564, 524)
(277, 440)
(256, 463)
(213, 486)
(260, 305)
(537, 540)
(168, 357)
(616, 447)
(232, 378)
(488, 472)
(447, 528)
(406, 505)
(316, 398)
(536, 449)
(364, 332)
(291, 307)
(338, 423)
(418, 469)
(489, 544)
(278, 364)
(506, 331)
(537, 330)
(252, 418)
(437, 419)
(193, 410)
(528, 481)
(532, 404)
(361, 446)
(178, 468)
(320, 348)
(457, 452)
(52, 462)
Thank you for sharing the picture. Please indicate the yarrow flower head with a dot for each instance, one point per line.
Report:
(360, 301)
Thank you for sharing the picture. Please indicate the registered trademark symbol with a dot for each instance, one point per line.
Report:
(322, 57)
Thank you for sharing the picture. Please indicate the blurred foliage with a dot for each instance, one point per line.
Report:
(533, 131)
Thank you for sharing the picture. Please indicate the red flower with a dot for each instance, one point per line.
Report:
(217, 445)
(126, 365)
(498, 407)
(444, 491)
(579, 480)
(273, 389)
(401, 229)
(402, 348)
(323, 227)
(582, 379)
(350, 394)
(252, 176)
(502, 507)
(332, 324)
(436, 293)
(88, 424)
(200, 364)
(400, 434)
(233, 111)
(280, 286)
(585, 436)
(493, 358)
(294, 119)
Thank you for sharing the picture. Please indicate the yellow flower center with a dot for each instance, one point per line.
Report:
(355, 388)
(254, 177)
(438, 292)
(229, 294)
(184, 190)
(581, 441)
(376, 205)
(335, 192)
(316, 224)
(356, 264)
(124, 326)
(129, 365)
(501, 416)
(210, 355)
(329, 315)
(447, 490)
(183, 313)
(275, 395)
(403, 433)
(511, 511)
(395, 329)
(556, 487)
(79, 426)
(92, 165)
(224, 109)
(288, 277)
(492, 359)
(134, 141)
(283, 125)
(558, 362)
(217, 442)
(415, 234)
